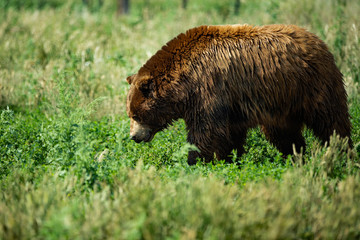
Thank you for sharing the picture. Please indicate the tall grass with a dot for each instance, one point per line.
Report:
(69, 170)
(139, 204)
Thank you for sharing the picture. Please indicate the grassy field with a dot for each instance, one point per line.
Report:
(69, 171)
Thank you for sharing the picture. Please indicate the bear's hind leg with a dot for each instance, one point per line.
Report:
(283, 138)
(324, 126)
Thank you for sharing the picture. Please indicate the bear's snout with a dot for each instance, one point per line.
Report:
(136, 139)
(139, 132)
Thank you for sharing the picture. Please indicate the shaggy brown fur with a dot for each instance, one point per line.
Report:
(223, 80)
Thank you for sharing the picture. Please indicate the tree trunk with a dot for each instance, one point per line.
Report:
(123, 6)
(237, 7)
(184, 4)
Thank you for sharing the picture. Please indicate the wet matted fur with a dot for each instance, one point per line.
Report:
(223, 80)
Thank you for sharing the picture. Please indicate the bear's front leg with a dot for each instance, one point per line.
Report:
(202, 141)
(209, 149)
(204, 151)
(215, 140)
(216, 146)
(194, 155)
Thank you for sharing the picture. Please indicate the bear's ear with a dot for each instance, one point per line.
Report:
(130, 79)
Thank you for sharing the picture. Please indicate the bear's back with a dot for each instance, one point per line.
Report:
(264, 67)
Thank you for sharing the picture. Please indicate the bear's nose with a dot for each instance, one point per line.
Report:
(134, 138)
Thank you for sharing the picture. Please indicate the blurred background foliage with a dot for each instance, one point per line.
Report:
(93, 38)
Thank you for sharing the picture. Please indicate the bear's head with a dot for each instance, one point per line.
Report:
(149, 110)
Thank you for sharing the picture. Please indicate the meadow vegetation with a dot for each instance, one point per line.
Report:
(69, 171)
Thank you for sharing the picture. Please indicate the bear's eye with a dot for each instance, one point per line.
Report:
(136, 118)
(146, 89)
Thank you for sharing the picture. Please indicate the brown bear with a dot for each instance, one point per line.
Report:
(223, 80)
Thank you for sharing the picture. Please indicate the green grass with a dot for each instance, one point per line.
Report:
(69, 171)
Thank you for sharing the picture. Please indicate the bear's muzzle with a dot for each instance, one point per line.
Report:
(139, 132)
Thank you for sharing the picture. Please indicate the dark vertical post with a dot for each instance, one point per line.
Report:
(184, 4)
(123, 6)
(237, 7)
